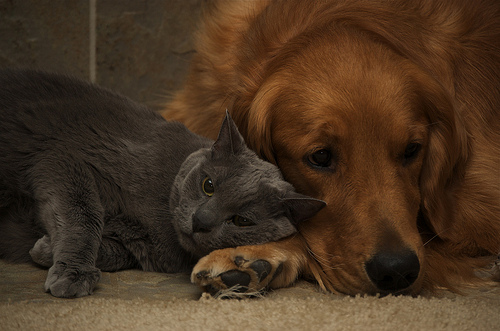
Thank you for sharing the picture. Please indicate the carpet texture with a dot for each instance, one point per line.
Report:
(132, 300)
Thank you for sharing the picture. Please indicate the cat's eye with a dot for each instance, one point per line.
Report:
(208, 186)
(241, 221)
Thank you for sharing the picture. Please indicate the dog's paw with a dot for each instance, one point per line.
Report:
(68, 281)
(41, 253)
(236, 272)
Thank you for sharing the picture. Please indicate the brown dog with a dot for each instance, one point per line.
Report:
(387, 110)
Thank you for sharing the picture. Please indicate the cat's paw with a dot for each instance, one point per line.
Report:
(68, 281)
(236, 272)
(41, 253)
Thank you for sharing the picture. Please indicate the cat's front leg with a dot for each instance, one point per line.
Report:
(41, 253)
(112, 255)
(69, 208)
(73, 273)
(247, 270)
(70, 280)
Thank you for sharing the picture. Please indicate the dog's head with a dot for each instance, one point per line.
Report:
(354, 123)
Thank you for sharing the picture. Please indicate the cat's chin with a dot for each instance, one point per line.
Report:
(190, 244)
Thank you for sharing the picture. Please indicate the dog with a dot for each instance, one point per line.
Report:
(387, 110)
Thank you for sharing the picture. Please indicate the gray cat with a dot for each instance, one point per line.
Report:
(91, 181)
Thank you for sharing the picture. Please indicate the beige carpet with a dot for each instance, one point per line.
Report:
(133, 300)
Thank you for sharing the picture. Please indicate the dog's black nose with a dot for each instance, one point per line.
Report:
(393, 271)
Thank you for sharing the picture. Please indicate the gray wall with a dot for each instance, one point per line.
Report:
(142, 47)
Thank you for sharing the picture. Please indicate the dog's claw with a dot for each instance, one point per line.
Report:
(202, 274)
(239, 260)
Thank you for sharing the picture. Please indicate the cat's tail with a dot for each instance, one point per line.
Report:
(18, 232)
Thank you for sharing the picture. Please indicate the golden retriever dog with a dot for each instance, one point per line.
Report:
(388, 110)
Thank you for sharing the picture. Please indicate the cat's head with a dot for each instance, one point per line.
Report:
(225, 196)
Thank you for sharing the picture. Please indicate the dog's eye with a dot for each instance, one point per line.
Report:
(321, 158)
(411, 151)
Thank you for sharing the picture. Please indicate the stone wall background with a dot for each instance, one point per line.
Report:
(142, 47)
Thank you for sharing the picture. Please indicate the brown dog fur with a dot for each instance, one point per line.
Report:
(363, 80)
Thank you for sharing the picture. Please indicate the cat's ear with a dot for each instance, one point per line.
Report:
(301, 207)
(229, 141)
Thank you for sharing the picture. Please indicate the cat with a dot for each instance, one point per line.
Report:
(91, 181)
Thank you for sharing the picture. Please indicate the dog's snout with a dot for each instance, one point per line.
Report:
(393, 271)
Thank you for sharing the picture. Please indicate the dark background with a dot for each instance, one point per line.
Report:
(142, 47)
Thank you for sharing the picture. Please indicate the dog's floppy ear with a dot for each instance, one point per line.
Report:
(259, 137)
(444, 163)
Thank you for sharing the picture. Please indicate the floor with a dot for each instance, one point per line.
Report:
(20, 282)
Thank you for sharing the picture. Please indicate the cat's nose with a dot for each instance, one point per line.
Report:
(200, 223)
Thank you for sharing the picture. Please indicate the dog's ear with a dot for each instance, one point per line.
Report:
(259, 122)
(444, 162)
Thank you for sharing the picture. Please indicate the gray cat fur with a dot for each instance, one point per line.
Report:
(90, 181)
